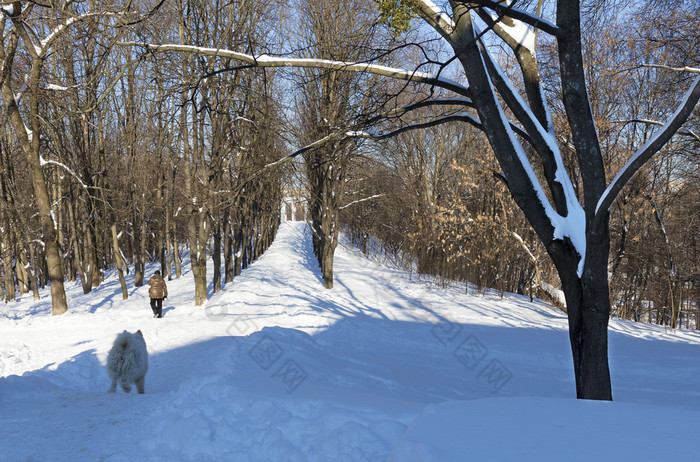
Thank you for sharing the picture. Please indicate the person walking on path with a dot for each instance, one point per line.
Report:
(157, 292)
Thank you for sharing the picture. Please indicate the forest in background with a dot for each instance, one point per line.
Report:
(144, 154)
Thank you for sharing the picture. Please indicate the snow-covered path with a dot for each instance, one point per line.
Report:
(277, 368)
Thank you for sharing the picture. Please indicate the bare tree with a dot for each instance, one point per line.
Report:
(28, 48)
(575, 233)
(29, 132)
(344, 31)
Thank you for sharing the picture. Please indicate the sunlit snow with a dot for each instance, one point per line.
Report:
(382, 367)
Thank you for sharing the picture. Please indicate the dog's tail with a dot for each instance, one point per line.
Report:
(117, 357)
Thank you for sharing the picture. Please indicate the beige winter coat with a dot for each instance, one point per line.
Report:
(158, 287)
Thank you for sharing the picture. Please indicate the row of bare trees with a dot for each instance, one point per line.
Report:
(112, 158)
(446, 209)
(158, 121)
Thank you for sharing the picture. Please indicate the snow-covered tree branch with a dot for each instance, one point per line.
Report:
(651, 147)
(265, 60)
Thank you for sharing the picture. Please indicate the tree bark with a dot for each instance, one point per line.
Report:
(228, 248)
(216, 257)
(588, 311)
(6, 254)
(588, 306)
(120, 264)
(30, 145)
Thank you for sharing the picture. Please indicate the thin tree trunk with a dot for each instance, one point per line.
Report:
(6, 250)
(21, 269)
(143, 231)
(121, 265)
(216, 257)
(228, 248)
(33, 270)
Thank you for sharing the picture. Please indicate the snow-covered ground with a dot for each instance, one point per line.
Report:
(382, 367)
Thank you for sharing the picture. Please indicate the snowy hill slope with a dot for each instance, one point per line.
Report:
(276, 368)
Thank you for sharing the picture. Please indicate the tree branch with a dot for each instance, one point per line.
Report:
(435, 17)
(509, 11)
(461, 117)
(688, 133)
(694, 70)
(275, 61)
(555, 172)
(651, 147)
(376, 196)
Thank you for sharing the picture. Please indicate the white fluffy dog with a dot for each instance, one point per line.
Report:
(127, 362)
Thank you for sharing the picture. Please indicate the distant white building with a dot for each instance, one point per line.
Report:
(294, 206)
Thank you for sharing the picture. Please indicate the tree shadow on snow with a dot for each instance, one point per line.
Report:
(373, 362)
(83, 372)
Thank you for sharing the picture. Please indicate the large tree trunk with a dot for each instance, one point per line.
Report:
(177, 259)
(588, 309)
(167, 247)
(30, 144)
(329, 227)
(78, 248)
(327, 250)
(198, 256)
(139, 247)
(589, 345)
(238, 246)
(172, 245)
(87, 267)
(21, 269)
(326, 193)
(588, 305)
(59, 304)
(588, 321)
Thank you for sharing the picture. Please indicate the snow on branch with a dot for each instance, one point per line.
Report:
(308, 147)
(541, 138)
(462, 117)
(49, 39)
(40, 50)
(515, 102)
(568, 224)
(55, 87)
(265, 60)
(694, 70)
(517, 34)
(651, 147)
(43, 162)
(689, 133)
(524, 246)
(354, 133)
(433, 15)
(7, 9)
(376, 196)
(508, 10)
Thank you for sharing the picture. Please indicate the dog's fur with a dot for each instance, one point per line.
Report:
(127, 362)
